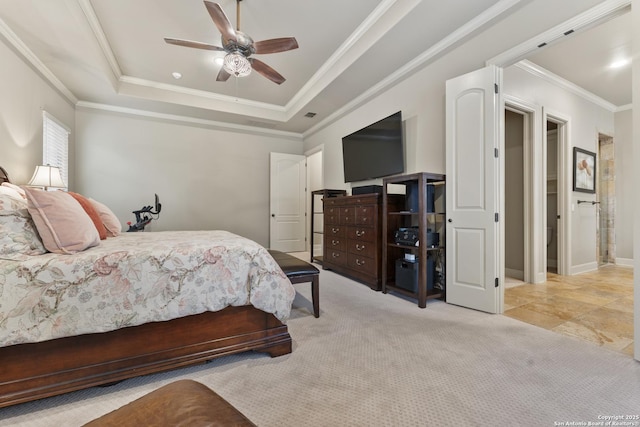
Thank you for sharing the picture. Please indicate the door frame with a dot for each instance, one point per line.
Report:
(315, 150)
(564, 187)
(530, 113)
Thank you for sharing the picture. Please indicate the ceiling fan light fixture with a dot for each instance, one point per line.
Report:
(236, 64)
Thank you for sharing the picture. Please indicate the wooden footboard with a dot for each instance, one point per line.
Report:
(34, 371)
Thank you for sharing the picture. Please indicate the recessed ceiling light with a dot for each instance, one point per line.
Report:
(619, 63)
(176, 75)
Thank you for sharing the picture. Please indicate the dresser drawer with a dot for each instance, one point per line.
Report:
(335, 243)
(361, 248)
(366, 215)
(347, 215)
(362, 234)
(331, 215)
(362, 264)
(333, 230)
(335, 257)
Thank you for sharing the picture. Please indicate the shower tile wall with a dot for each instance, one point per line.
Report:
(607, 199)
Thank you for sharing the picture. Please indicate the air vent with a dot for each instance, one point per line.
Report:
(310, 115)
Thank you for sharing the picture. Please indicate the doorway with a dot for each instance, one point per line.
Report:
(514, 189)
(536, 200)
(553, 215)
(606, 197)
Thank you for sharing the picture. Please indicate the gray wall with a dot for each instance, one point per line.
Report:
(23, 96)
(206, 178)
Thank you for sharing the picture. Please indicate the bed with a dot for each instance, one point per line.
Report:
(134, 304)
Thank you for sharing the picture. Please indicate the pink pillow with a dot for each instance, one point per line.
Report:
(92, 212)
(109, 219)
(64, 227)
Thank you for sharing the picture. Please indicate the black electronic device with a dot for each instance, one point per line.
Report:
(408, 236)
(374, 151)
(145, 215)
(433, 239)
(407, 274)
(366, 189)
(412, 197)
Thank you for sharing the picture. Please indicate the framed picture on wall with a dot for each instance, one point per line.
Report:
(584, 170)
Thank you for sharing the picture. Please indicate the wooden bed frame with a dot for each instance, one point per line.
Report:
(38, 370)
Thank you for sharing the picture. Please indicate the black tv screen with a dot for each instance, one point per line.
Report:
(374, 151)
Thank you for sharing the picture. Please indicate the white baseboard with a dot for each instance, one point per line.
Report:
(584, 268)
(624, 262)
(516, 274)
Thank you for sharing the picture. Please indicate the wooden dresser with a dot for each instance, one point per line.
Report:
(353, 237)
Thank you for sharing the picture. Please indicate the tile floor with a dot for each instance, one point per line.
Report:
(595, 306)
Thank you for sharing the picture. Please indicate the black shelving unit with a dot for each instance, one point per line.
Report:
(317, 235)
(424, 211)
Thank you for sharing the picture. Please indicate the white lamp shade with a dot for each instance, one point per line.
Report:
(47, 176)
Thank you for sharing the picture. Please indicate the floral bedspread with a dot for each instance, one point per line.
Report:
(137, 278)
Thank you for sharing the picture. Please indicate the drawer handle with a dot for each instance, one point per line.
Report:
(335, 254)
(359, 233)
(335, 242)
(360, 262)
(359, 248)
(335, 230)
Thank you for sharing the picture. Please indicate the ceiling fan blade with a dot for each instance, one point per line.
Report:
(223, 76)
(276, 45)
(221, 21)
(196, 45)
(266, 71)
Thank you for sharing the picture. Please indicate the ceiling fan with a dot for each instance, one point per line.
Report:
(239, 47)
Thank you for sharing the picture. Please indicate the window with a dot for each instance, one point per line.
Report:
(55, 144)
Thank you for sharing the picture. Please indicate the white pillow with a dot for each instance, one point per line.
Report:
(7, 191)
(20, 190)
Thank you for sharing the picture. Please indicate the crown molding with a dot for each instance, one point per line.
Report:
(383, 18)
(624, 108)
(547, 75)
(101, 38)
(212, 124)
(597, 14)
(31, 57)
(156, 91)
(418, 62)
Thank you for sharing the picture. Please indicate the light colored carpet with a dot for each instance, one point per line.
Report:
(379, 360)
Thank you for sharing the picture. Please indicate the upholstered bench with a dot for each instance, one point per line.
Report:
(181, 403)
(300, 271)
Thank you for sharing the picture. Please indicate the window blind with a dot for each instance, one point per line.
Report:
(55, 144)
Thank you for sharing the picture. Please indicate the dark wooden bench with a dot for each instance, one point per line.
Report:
(300, 271)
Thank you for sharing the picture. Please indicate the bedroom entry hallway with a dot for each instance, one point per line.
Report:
(596, 307)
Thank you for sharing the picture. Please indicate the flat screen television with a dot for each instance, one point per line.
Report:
(374, 151)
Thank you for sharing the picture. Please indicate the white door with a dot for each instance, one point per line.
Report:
(473, 269)
(287, 226)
